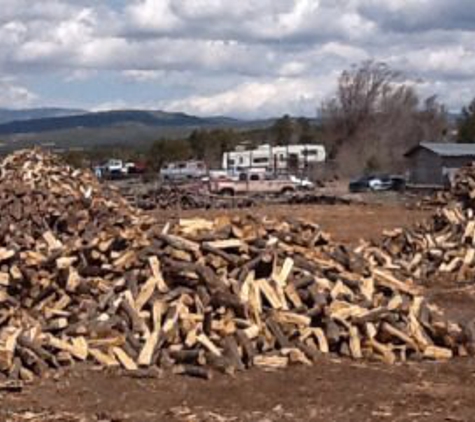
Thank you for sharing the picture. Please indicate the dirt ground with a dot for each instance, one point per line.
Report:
(332, 390)
(346, 223)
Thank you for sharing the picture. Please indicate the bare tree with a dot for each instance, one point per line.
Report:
(361, 92)
(375, 116)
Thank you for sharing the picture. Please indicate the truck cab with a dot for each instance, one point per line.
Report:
(253, 183)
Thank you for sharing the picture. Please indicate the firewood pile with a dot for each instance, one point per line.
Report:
(442, 246)
(312, 198)
(84, 277)
(170, 197)
(429, 202)
(463, 186)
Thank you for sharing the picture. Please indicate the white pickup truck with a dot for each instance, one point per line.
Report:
(252, 183)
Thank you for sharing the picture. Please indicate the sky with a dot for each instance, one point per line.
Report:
(240, 58)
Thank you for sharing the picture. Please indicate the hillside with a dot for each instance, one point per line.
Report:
(90, 129)
(107, 119)
(10, 115)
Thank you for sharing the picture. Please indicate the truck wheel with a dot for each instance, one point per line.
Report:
(227, 192)
(287, 191)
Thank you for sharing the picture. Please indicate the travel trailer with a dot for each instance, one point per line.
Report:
(184, 170)
(274, 157)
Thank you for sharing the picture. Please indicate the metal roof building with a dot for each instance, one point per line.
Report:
(433, 163)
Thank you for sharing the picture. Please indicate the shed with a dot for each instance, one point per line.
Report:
(432, 163)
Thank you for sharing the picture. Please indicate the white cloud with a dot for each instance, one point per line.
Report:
(420, 15)
(244, 57)
(262, 21)
(112, 105)
(143, 75)
(12, 32)
(35, 10)
(154, 16)
(438, 63)
(267, 98)
(14, 95)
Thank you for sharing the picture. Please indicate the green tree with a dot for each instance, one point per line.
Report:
(307, 131)
(283, 130)
(466, 125)
(226, 139)
(166, 150)
(75, 159)
(209, 145)
(198, 143)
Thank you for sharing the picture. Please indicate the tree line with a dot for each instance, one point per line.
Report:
(209, 145)
(373, 118)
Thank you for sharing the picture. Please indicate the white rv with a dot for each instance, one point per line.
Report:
(274, 157)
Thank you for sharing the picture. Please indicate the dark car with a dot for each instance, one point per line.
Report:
(398, 183)
(377, 183)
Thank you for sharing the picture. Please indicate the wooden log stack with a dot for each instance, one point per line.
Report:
(442, 247)
(313, 198)
(85, 277)
(173, 197)
(181, 197)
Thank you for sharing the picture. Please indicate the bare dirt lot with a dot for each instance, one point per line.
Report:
(346, 223)
(332, 390)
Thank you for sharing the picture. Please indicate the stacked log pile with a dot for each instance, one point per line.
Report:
(443, 246)
(84, 277)
(170, 197)
(312, 198)
(173, 197)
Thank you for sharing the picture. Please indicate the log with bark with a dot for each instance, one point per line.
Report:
(86, 277)
(442, 247)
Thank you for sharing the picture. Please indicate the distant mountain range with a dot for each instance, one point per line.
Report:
(80, 128)
(8, 115)
(45, 120)
(65, 128)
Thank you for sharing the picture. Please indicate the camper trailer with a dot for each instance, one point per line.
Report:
(184, 170)
(275, 158)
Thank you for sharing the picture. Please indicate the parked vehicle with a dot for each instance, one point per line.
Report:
(377, 183)
(219, 175)
(252, 183)
(135, 167)
(184, 170)
(398, 183)
(274, 157)
(302, 183)
(114, 167)
(117, 169)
